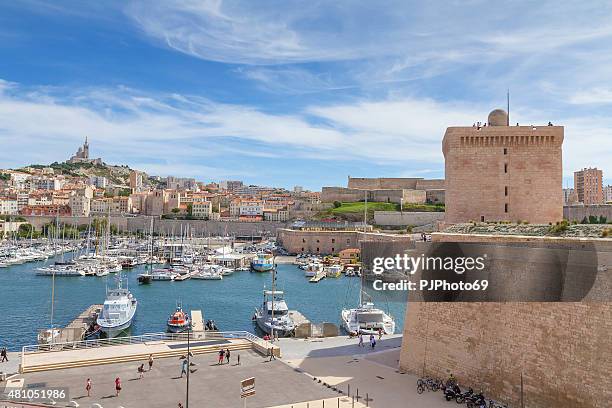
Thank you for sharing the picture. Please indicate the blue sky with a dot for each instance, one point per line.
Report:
(296, 93)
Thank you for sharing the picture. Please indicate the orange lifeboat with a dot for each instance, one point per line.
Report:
(178, 321)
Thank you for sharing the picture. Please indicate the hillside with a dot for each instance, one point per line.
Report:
(116, 175)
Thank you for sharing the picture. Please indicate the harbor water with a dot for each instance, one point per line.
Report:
(25, 299)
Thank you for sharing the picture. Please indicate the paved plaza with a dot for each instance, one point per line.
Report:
(301, 379)
(210, 386)
(340, 362)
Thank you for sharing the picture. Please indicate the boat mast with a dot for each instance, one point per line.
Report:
(273, 296)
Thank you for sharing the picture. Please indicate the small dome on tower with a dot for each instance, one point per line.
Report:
(498, 117)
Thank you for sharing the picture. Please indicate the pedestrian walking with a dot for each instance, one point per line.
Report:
(150, 361)
(141, 371)
(4, 355)
(221, 356)
(372, 340)
(272, 356)
(184, 366)
(238, 359)
(380, 333)
(360, 340)
(88, 386)
(117, 386)
(227, 355)
(180, 405)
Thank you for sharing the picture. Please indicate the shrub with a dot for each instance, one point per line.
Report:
(337, 204)
(559, 227)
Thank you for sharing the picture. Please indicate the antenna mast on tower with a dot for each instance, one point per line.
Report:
(508, 106)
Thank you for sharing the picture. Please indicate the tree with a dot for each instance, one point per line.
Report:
(337, 204)
(26, 230)
(190, 209)
(175, 210)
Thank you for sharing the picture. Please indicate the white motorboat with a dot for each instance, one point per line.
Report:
(163, 275)
(312, 269)
(207, 275)
(118, 310)
(273, 315)
(60, 270)
(47, 336)
(333, 271)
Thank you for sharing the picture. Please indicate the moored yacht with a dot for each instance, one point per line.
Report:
(367, 319)
(273, 315)
(263, 263)
(118, 310)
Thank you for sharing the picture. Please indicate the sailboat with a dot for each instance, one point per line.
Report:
(273, 316)
(366, 319)
(47, 336)
(146, 277)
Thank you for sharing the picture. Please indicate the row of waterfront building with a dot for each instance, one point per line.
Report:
(51, 191)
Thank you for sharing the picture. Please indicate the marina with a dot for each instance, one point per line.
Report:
(229, 301)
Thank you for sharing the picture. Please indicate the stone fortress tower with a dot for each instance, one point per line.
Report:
(498, 172)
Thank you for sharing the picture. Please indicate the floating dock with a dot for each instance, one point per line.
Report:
(315, 279)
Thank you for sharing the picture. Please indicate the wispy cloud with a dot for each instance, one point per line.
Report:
(128, 124)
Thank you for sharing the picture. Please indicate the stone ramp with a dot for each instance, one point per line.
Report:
(57, 360)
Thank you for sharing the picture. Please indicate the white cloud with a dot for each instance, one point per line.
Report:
(592, 96)
(181, 134)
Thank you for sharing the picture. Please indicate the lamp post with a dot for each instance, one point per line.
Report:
(273, 294)
(188, 366)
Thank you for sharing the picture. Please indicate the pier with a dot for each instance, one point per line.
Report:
(76, 329)
(320, 275)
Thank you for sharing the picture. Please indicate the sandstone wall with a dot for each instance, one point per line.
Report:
(436, 196)
(432, 184)
(563, 350)
(331, 194)
(397, 218)
(204, 228)
(142, 224)
(349, 195)
(328, 242)
(579, 212)
(366, 183)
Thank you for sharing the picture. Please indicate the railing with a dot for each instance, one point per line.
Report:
(149, 337)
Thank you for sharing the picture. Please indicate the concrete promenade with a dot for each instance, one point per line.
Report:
(211, 385)
(304, 378)
(121, 353)
(340, 362)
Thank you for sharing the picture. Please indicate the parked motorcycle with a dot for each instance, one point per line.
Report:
(462, 397)
(451, 392)
(476, 401)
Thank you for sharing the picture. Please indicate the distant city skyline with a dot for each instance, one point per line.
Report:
(286, 93)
